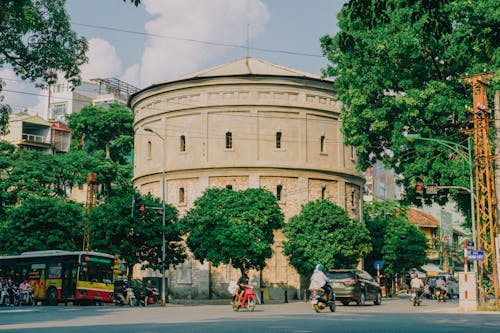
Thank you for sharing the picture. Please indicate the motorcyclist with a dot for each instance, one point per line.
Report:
(24, 289)
(149, 292)
(441, 284)
(125, 286)
(417, 285)
(242, 284)
(320, 280)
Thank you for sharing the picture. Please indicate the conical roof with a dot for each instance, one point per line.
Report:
(247, 66)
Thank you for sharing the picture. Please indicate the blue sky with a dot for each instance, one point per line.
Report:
(168, 38)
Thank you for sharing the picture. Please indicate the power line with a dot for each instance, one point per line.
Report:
(199, 41)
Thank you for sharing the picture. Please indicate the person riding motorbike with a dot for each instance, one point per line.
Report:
(441, 284)
(242, 284)
(24, 289)
(417, 285)
(320, 280)
(123, 292)
(149, 292)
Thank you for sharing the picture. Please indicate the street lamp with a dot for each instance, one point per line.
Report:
(147, 129)
(459, 149)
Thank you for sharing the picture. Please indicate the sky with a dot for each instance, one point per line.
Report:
(162, 39)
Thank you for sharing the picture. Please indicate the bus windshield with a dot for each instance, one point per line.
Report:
(96, 269)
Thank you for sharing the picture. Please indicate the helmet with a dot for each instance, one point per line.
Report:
(319, 267)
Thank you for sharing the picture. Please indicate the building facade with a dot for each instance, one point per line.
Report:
(244, 124)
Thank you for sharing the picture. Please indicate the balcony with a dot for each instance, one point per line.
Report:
(35, 138)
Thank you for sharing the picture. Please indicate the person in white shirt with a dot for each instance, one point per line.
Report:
(441, 284)
(320, 280)
(417, 285)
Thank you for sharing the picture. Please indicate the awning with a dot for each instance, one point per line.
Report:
(431, 269)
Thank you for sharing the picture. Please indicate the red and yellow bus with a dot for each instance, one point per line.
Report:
(62, 276)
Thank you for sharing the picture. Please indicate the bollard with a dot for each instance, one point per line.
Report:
(262, 296)
(286, 296)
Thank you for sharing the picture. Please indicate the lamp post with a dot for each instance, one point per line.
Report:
(459, 149)
(147, 129)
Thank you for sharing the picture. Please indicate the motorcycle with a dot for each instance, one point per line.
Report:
(27, 298)
(4, 297)
(415, 297)
(439, 295)
(130, 299)
(320, 299)
(246, 301)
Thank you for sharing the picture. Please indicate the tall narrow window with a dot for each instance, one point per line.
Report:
(229, 187)
(278, 140)
(352, 153)
(229, 140)
(323, 192)
(181, 195)
(279, 189)
(322, 144)
(149, 149)
(183, 143)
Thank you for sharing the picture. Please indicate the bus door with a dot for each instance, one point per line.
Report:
(68, 283)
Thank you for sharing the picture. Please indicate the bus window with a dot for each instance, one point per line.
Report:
(96, 272)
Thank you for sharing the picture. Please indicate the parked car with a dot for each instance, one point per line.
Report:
(354, 285)
(450, 281)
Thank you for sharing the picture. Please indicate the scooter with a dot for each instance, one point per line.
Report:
(320, 299)
(415, 297)
(28, 298)
(129, 299)
(439, 295)
(4, 297)
(246, 301)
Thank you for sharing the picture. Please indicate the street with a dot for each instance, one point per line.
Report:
(394, 315)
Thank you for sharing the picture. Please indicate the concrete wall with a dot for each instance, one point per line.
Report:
(253, 109)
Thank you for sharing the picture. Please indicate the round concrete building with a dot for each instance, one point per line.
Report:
(244, 124)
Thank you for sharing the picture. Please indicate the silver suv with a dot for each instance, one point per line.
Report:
(451, 283)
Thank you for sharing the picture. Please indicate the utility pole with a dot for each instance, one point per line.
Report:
(89, 204)
(486, 199)
(496, 116)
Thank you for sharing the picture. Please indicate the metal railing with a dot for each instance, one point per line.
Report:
(35, 138)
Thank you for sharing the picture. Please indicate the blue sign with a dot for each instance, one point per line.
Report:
(475, 255)
(470, 245)
(378, 264)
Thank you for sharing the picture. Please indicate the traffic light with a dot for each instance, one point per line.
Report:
(419, 185)
(137, 206)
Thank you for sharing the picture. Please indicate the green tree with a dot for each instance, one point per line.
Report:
(398, 66)
(107, 129)
(136, 239)
(36, 42)
(377, 215)
(324, 233)
(42, 224)
(404, 247)
(233, 227)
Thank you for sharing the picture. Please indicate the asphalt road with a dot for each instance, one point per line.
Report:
(392, 316)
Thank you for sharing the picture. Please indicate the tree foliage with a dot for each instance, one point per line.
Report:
(396, 241)
(398, 66)
(233, 227)
(42, 224)
(106, 129)
(324, 233)
(37, 43)
(404, 247)
(139, 238)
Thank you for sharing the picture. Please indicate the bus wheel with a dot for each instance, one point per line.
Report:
(52, 297)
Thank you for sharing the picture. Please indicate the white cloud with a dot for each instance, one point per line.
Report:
(17, 93)
(220, 21)
(103, 60)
